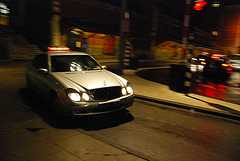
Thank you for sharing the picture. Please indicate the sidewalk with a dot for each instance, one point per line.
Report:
(160, 93)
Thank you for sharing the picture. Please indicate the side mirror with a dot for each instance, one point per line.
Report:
(104, 67)
(42, 71)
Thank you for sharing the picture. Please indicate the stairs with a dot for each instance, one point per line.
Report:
(20, 49)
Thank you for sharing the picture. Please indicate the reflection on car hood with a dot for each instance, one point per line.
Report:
(89, 79)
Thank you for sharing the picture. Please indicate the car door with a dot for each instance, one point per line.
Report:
(40, 78)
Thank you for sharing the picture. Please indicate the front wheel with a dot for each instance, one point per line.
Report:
(55, 106)
(28, 82)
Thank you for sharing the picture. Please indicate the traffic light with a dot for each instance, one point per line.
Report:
(199, 4)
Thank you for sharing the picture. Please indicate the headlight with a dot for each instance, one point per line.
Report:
(124, 91)
(85, 96)
(76, 96)
(73, 95)
(127, 90)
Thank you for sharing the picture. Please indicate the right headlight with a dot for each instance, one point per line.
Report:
(124, 91)
(76, 96)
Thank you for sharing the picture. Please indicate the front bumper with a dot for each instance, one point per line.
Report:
(93, 108)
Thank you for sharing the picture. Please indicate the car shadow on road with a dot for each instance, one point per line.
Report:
(221, 107)
(93, 122)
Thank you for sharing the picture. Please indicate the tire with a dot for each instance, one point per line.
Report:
(28, 83)
(55, 106)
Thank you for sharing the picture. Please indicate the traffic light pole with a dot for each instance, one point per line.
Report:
(186, 55)
(186, 28)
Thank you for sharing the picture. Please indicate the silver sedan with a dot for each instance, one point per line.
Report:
(75, 84)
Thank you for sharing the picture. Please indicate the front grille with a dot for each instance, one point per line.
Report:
(106, 93)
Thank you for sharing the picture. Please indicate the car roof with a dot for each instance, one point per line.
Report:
(66, 53)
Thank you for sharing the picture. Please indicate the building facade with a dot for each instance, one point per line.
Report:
(94, 26)
(229, 36)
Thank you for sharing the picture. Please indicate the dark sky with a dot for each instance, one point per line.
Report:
(180, 4)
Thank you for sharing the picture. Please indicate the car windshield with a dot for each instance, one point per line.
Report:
(69, 63)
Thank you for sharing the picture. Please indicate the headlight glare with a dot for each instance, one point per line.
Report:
(129, 90)
(74, 96)
(85, 96)
(124, 91)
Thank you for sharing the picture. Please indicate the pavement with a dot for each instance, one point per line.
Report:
(25, 136)
(160, 93)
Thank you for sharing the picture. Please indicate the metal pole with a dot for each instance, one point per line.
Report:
(186, 27)
(188, 74)
(154, 28)
(55, 23)
(121, 34)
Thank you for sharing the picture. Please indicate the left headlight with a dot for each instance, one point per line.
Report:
(127, 90)
(76, 96)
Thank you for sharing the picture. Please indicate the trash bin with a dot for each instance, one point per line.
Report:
(177, 78)
(133, 63)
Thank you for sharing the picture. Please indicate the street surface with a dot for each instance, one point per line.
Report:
(148, 130)
(210, 87)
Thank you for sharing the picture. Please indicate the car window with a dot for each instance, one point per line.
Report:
(67, 63)
(40, 61)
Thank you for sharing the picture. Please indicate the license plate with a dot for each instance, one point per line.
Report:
(110, 104)
(212, 66)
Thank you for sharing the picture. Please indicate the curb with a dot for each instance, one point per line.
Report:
(188, 107)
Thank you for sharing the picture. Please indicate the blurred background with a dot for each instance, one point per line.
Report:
(154, 27)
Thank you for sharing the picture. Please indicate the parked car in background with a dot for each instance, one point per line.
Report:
(76, 84)
(198, 63)
(234, 62)
(217, 66)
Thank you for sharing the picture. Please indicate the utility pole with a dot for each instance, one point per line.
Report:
(186, 28)
(154, 28)
(55, 23)
(124, 28)
(186, 55)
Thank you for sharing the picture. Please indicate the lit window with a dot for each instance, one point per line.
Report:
(215, 33)
(216, 5)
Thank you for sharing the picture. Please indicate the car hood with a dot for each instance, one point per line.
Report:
(89, 79)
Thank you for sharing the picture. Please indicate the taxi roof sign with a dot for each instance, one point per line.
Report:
(59, 49)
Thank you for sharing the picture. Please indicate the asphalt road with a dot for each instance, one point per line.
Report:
(206, 86)
(149, 130)
(158, 132)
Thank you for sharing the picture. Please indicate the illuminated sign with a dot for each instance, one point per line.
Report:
(58, 49)
(199, 4)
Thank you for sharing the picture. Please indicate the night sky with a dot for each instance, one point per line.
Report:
(178, 4)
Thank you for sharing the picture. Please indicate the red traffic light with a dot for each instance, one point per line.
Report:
(199, 5)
